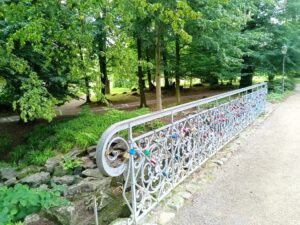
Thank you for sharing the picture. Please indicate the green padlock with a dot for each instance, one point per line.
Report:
(147, 153)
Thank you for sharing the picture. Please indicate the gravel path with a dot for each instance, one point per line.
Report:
(260, 185)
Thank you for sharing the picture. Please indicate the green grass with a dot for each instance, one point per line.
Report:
(62, 136)
(278, 97)
(120, 90)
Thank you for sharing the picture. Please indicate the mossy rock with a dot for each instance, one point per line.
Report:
(59, 171)
(27, 171)
(116, 209)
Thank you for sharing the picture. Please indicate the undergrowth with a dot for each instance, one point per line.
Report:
(276, 95)
(5, 142)
(60, 137)
(19, 201)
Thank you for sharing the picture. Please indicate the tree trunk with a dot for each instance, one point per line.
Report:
(246, 73)
(86, 79)
(177, 70)
(103, 72)
(102, 57)
(166, 72)
(213, 81)
(149, 76)
(157, 73)
(140, 74)
(271, 82)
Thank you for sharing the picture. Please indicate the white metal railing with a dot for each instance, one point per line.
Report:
(155, 157)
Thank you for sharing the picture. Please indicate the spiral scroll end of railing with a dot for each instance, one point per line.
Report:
(112, 155)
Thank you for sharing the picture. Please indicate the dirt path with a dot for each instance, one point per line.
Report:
(73, 107)
(260, 185)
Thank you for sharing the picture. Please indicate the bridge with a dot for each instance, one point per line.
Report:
(158, 151)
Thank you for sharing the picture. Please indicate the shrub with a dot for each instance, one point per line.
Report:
(5, 142)
(289, 84)
(276, 95)
(61, 136)
(70, 163)
(19, 201)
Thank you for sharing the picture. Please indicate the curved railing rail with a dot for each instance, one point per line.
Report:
(157, 151)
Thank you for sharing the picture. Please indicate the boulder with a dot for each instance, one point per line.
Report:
(88, 163)
(32, 218)
(59, 171)
(77, 170)
(92, 148)
(36, 219)
(117, 208)
(76, 152)
(64, 180)
(51, 163)
(28, 170)
(92, 155)
(92, 173)
(64, 215)
(88, 185)
(102, 200)
(44, 187)
(36, 179)
(7, 173)
(11, 182)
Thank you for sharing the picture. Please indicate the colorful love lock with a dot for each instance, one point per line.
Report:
(147, 152)
(174, 136)
(126, 155)
(165, 173)
(153, 161)
(185, 130)
(132, 151)
(177, 156)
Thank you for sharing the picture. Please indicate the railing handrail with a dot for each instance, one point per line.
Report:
(169, 111)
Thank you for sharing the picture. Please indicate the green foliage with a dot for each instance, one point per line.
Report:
(52, 50)
(19, 201)
(71, 163)
(289, 84)
(82, 131)
(276, 95)
(35, 102)
(5, 143)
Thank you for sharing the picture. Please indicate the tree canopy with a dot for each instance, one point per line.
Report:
(53, 51)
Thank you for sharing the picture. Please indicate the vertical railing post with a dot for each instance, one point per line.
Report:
(172, 150)
(132, 153)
